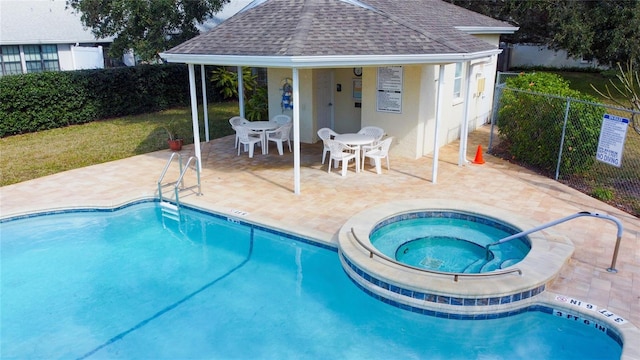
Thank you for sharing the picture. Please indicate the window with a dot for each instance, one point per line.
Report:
(10, 59)
(41, 58)
(457, 81)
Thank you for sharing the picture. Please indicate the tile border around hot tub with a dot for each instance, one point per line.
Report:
(442, 299)
(609, 331)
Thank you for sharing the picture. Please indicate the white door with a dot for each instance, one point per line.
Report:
(324, 97)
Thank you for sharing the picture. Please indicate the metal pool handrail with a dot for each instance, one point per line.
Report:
(455, 275)
(184, 171)
(611, 269)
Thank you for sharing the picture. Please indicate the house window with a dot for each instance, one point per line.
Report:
(41, 58)
(457, 81)
(10, 59)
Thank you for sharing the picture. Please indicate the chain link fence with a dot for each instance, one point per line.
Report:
(572, 151)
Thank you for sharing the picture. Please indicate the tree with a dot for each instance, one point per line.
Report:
(531, 16)
(607, 30)
(627, 86)
(146, 26)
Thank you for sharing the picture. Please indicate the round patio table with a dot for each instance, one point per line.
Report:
(263, 127)
(355, 141)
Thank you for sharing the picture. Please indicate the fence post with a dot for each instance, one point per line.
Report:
(564, 129)
(494, 111)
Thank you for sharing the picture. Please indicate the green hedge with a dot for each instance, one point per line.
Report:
(532, 123)
(40, 101)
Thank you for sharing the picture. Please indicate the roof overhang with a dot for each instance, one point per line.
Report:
(325, 61)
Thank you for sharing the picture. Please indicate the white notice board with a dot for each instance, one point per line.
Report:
(612, 136)
(389, 89)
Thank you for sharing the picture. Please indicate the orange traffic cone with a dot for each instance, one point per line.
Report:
(478, 159)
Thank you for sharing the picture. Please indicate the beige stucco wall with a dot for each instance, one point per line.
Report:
(275, 76)
(413, 128)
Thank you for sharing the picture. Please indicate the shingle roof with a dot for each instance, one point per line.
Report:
(308, 28)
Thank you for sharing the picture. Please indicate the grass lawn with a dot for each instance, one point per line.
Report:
(29, 156)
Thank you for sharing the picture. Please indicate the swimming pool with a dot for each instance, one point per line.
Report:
(132, 284)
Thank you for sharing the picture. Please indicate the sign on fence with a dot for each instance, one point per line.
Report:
(612, 136)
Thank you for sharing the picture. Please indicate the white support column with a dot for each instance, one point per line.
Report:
(240, 91)
(296, 132)
(203, 75)
(436, 145)
(464, 123)
(194, 115)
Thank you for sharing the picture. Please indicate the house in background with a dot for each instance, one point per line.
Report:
(423, 70)
(42, 35)
(540, 55)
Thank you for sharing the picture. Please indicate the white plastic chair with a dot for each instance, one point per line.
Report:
(279, 136)
(374, 131)
(377, 153)
(339, 152)
(281, 119)
(324, 134)
(247, 137)
(377, 134)
(235, 121)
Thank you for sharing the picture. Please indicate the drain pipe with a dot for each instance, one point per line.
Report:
(611, 269)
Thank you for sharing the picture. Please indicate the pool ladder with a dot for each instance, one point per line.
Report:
(169, 209)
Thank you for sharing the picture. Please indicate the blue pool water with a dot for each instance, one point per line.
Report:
(130, 284)
(449, 241)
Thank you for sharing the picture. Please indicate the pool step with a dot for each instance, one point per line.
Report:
(475, 266)
(491, 265)
(170, 211)
(508, 262)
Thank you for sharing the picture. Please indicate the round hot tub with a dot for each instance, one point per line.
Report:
(449, 241)
(439, 255)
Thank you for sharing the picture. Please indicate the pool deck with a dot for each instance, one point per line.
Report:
(260, 190)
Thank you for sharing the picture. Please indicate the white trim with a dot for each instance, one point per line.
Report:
(240, 91)
(194, 116)
(203, 77)
(487, 30)
(436, 146)
(296, 131)
(331, 61)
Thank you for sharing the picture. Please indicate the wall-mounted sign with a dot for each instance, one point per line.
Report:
(389, 89)
(612, 135)
(357, 89)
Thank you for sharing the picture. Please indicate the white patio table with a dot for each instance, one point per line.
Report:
(355, 141)
(263, 127)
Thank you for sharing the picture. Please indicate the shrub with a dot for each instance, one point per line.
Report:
(532, 124)
(602, 194)
(226, 81)
(40, 101)
(258, 105)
